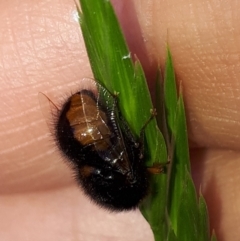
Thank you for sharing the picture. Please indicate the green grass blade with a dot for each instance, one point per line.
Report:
(170, 199)
(188, 215)
(113, 67)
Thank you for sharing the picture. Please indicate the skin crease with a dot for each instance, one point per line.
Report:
(42, 51)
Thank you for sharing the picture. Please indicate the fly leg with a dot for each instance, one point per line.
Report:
(157, 167)
(142, 132)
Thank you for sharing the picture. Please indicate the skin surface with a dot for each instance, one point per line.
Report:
(42, 51)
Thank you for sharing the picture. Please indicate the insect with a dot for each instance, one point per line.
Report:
(107, 158)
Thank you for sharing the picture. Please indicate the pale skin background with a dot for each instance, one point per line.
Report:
(42, 51)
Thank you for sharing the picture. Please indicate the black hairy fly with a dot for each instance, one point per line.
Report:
(106, 157)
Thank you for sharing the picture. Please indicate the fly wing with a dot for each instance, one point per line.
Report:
(93, 120)
(116, 153)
